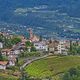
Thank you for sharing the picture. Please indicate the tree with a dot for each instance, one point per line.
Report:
(7, 43)
(72, 74)
(33, 49)
(1, 57)
(40, 39)
(15, 40)
(74, 48)
(17, 60)
(28, 44)
(73, 71)
(66, 76)
(70, 46)
(78, 50)
(50, 41)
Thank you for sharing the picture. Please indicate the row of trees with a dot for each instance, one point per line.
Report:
(74, 48)
(8, 43)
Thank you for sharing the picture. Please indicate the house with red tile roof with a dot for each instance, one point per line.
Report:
(5, 52)
(3, 64)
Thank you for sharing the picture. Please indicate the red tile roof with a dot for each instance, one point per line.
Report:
(6, 50)
(3, 62)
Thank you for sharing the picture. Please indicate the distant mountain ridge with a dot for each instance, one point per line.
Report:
(72, 7)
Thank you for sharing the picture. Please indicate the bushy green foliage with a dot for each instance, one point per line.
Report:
(74, 48)
(24, 77)
(2, 78)
(8, 43)
(8, 78)
(15, 40)
(29, 54)
(5, 41)
(3, 58)
(72, 74)
(28, 44)
(13, 68)
(33, 49)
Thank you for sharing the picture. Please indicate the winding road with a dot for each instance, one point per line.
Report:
(30, 61)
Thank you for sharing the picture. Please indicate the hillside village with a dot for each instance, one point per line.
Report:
(53, 47)
(16, 51)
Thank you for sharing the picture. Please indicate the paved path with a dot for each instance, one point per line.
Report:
(30, 61)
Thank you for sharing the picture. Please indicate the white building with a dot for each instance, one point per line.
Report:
(16, 52)
(12, 60)
(5, 52)
(1, 45)
(62, 48)
(3, 65)
(11, 63)
(41, 46)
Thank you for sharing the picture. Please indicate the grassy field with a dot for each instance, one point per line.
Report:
(52, 66)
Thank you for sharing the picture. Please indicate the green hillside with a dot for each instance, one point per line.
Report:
(52, 66)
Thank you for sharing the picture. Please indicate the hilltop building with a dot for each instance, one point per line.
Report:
(33, 37)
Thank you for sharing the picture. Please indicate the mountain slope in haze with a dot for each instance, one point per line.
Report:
(44, 16)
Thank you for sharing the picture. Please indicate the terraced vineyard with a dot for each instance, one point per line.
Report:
(52, 66)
